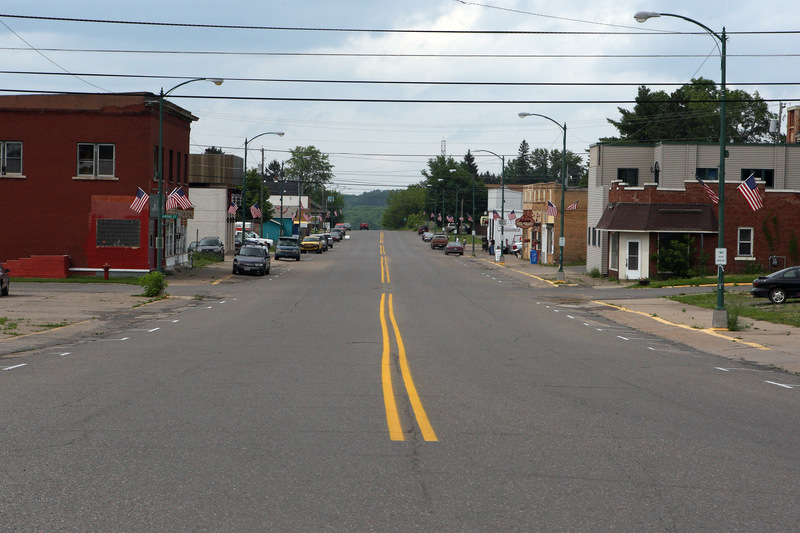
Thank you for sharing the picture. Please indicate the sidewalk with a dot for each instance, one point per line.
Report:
(763, 343)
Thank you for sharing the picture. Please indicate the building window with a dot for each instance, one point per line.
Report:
(10, 157)
(707, 174)
(588, 236)
(628, 175)
(121, 233)
(594, 236)
(767, 175)
(95, 159)
(745, 247)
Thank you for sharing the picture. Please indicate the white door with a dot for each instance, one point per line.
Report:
(633, 261)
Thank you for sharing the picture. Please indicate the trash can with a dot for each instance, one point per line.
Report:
(534, 257)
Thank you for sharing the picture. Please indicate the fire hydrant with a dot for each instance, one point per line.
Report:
(106, 268)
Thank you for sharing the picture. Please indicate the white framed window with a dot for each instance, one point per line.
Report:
(744, 247)
(10, 157)
(95, 159)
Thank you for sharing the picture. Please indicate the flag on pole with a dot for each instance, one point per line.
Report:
(469, 218)
(140, 201)
(552, 210)
(749, 190)
(255, 211)
(512, 215)
(232, 208)
(572, 207)
(709, 191)
(439, 218)
(450, 218)
(495, 216)
(177, 198)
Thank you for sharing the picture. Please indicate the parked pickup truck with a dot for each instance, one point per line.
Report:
(252, 237)
(515, 247)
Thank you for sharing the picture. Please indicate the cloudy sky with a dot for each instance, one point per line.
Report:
(384, 86)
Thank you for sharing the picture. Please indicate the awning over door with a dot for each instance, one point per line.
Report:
(659, 218)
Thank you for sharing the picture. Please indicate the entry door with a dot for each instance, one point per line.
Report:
(633, 260)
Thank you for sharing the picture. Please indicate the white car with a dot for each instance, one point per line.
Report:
(252, 236)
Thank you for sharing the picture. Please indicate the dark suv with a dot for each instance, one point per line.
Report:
(211, 245)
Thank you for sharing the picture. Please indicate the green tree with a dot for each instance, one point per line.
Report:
(312, 168)
(213, 150)
(404, 207)
(691, 114)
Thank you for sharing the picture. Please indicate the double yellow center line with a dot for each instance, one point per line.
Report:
(392, 416)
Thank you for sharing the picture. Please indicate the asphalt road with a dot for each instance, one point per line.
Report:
(385, 387)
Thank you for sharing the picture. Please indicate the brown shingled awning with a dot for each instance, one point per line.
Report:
(659, 218)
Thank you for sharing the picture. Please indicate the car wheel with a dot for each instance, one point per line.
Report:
(235, 271)
(266, 272)
(4, 291)
(777, 296)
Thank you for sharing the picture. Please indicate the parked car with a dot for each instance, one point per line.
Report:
(778, 286)
(312, 243)
(341, 226)
(252, 258)
(454, 248)
(516, 245)
(422, 229)
(251, 237)
(439, 240)
(323, 241)
(4, 282)
(329, 239)
(211, 245)
(427, 236)
(347, 226)
(336, 235)
(364, 225)
(287, 247)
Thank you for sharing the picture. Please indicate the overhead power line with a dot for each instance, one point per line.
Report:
(375, 30)
(376, 54)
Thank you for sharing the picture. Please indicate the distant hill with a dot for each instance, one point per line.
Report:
(366, 207)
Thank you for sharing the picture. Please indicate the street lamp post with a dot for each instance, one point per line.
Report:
(159, 172)
(561, 239)
(502, 199)
(720, 315)
(244, 178)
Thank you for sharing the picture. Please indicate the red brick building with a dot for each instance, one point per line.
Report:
(70, 166)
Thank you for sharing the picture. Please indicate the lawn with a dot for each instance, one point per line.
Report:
(745, 305)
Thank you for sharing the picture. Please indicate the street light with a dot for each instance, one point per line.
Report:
(720, 316)
(502, 199)
(244, 178)
(160, 174)
(561, 240)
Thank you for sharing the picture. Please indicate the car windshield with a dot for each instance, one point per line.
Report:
(209, 241)
(251, 251)
(311, 239)
(287, 242)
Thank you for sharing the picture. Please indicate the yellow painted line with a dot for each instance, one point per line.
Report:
(392, 418)
(553, 283)
(707, 331)
(416, 404)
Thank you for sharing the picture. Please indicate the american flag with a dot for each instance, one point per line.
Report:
(177, 198)
(572, 207)
(512, 215)
(709, 191)
(232, 208)
(432, 215)
(469, 218)
(552, 210)
(439, 218)
(140, 201)
(495, 216)
(450, 218)
(749, 190)
(255, 211)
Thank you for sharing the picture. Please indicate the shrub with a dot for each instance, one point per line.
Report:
(153, 283)
(595, 273)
